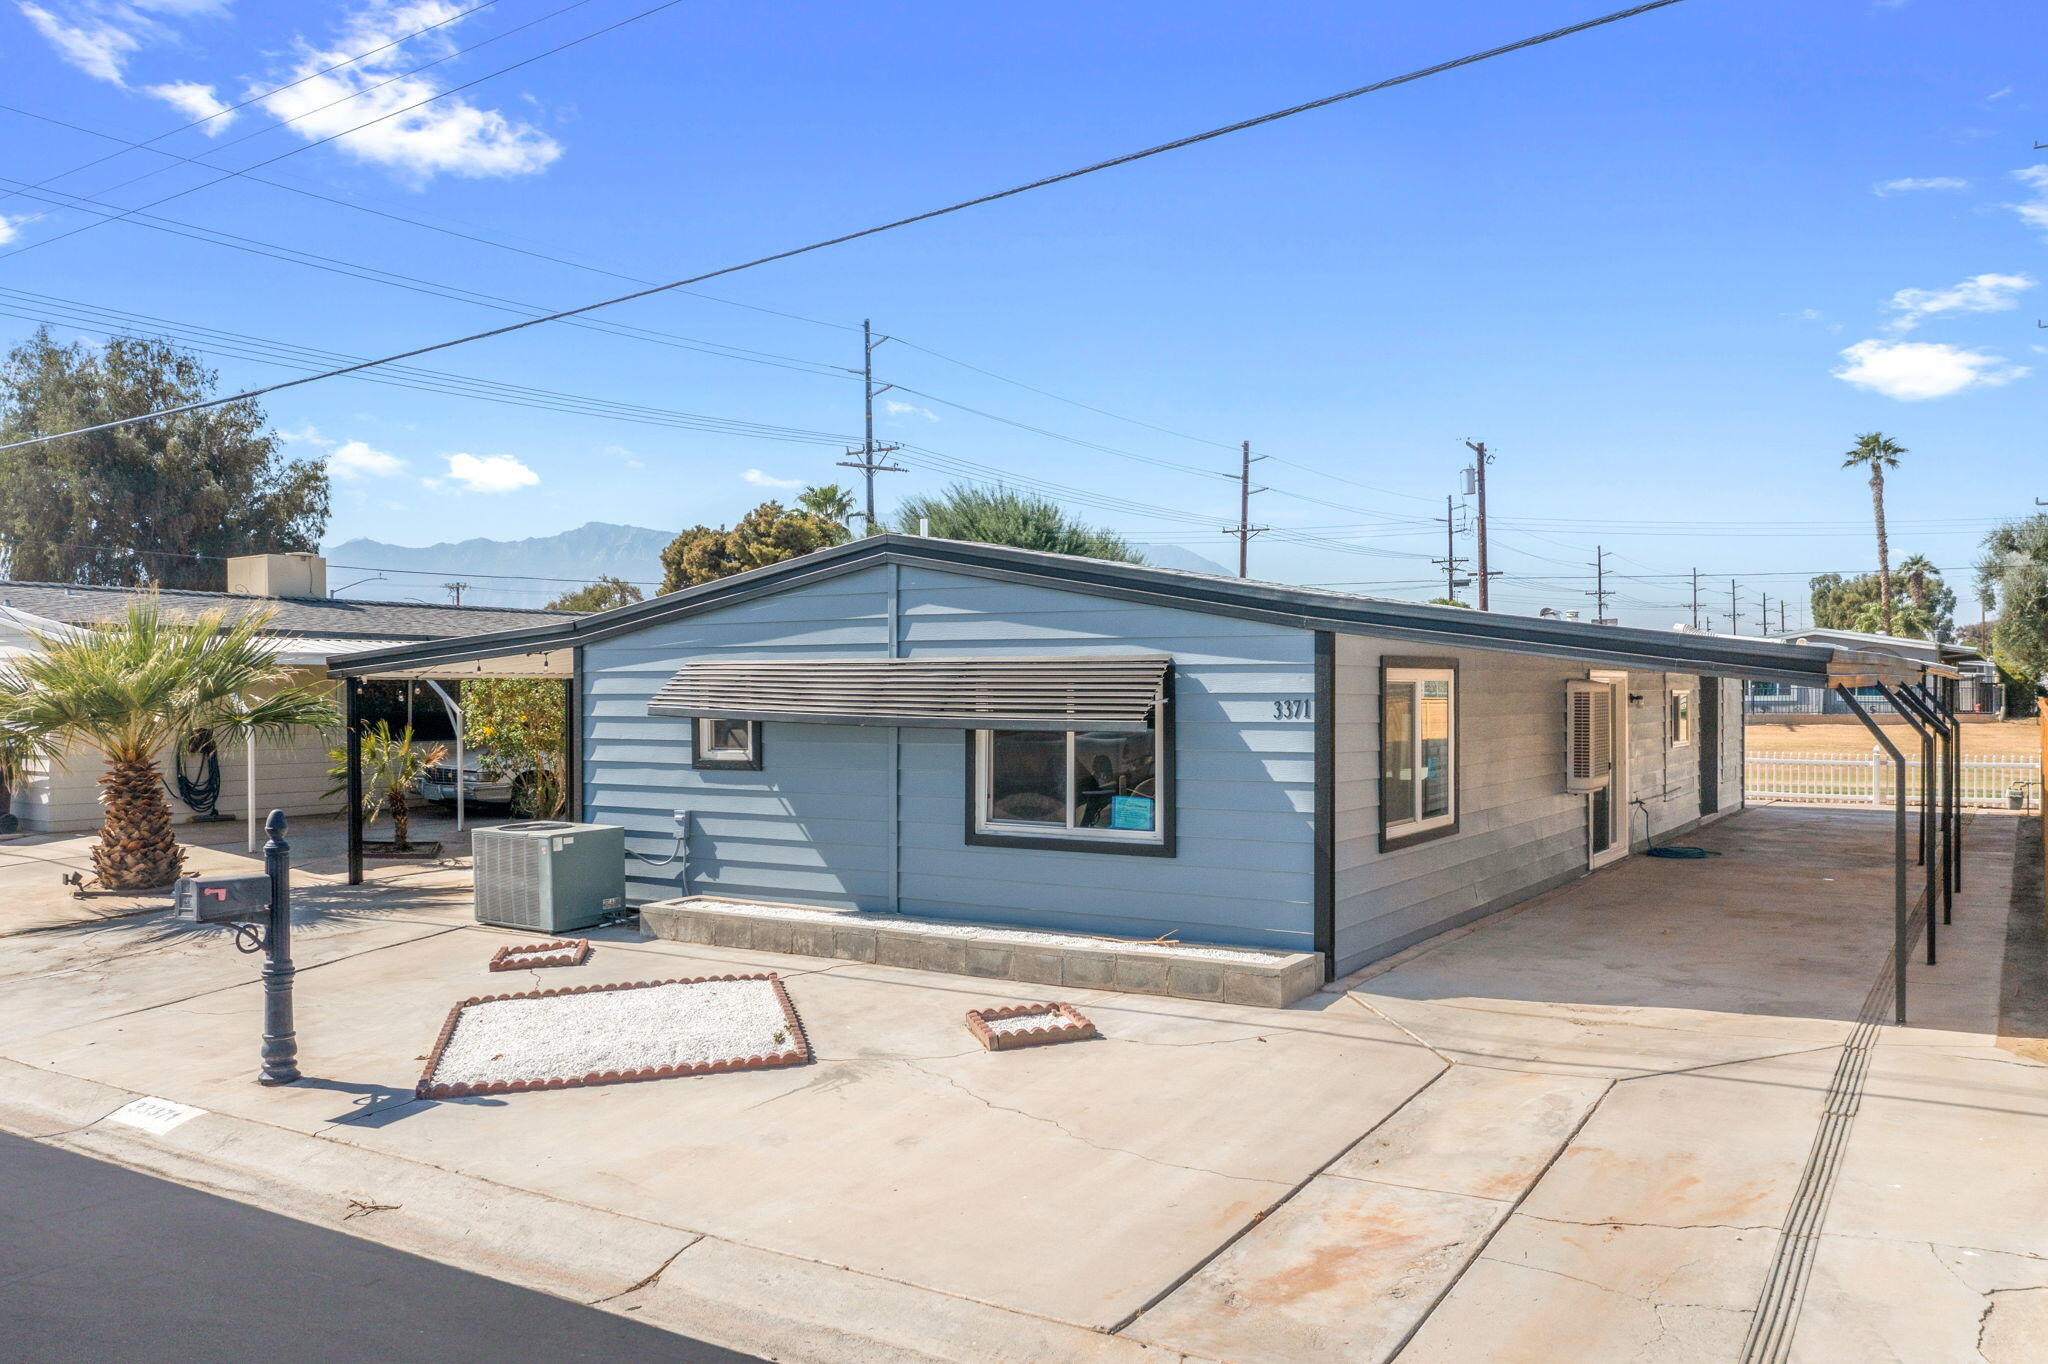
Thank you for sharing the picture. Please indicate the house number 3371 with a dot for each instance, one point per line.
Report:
(1298, 708)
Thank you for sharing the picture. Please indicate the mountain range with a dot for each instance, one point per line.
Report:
(534, 571)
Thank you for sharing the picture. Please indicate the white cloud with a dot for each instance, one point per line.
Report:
(354, 460)
(1998, 94)
(1913, 371)
(90, 40)
(2034, 212)
(620, 452)
(1977, 294)
(196, 102)
(308, 434)
(487, 474)
(761, 480)
(896, 409)
(10, 228)
(1911, 184)
(450, 136)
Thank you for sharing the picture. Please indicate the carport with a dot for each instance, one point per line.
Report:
(433, 663)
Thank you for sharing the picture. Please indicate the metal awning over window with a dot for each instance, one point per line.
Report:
(1087, 692)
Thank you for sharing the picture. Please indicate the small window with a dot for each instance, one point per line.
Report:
(1086, 788)
(1681, 718)
(722, 744)
(1418, 751)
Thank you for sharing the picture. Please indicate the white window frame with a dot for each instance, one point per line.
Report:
(704, 751)
(1420, 825)
(984, 773)
(1681, 698)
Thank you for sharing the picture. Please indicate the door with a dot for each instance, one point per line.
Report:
(1607, 808)
(1707, 737)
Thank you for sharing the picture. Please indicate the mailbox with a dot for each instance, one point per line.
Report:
(221, 899)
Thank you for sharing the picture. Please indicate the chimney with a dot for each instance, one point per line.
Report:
(278, 575)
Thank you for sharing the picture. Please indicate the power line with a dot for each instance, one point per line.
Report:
(370, 123)
(889, 226)
(262, 95)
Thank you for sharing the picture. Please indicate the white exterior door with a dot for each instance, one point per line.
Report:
(1607, 809)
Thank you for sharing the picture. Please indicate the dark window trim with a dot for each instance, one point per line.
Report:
(756, 743)
(1395, 842)
(1168, 842)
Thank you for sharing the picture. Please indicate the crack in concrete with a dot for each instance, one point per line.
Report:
(1660, 1226)
(650, 1280)
(1064, 1130)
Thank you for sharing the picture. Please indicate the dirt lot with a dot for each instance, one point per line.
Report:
(2000, 737)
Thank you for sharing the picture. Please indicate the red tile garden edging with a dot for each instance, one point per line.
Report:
(573, 952)
(798, 1054)
(1066, 1024)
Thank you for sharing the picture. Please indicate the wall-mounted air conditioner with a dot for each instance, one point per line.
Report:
(1588, 735)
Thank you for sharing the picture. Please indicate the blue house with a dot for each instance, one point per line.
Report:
(996, 736)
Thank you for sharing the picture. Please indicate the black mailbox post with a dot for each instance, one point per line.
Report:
(259, 909)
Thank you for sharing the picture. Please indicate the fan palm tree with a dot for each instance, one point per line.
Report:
(1880, 452)
(391, 766)
(128, 693)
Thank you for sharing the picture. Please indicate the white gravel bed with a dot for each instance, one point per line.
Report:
(1043, 938)
(564, 1036)
(1044, 1018)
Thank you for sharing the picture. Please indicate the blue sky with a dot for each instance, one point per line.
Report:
(1667, 269)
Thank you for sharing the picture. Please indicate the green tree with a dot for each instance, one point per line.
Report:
(136, 505)
(768, 534)
(827, 502)
(999, 516)
(601, 595)
(1450, 601)
(129, 691)
(518, 723)
(2012, 579)
(391, 765)
(1878, 452)
(1931, 597)
(1925, 609)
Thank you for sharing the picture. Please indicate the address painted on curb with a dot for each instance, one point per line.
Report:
(154, 1116)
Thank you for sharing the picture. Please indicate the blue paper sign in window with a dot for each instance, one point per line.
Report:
(1130, 812)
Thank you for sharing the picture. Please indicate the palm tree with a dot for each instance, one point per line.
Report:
(1880, 452)
(130, 691)
(392, 766)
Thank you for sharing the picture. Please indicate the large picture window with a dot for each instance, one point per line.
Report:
(1418, 751)
(1100, 790)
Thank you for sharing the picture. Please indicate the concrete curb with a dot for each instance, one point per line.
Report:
(774, 1305)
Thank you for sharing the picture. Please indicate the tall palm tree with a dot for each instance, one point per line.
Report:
(128, 693)
(1880, 452)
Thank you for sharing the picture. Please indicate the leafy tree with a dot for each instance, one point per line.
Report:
(1450, 601)
(768, 534)
(2012, 579)
(126, 506)
(1931, 597)
(828, 502)
(519, 722)
(999, 516)
(1926, 610)
(601, 595)
(129, 691)
(1878, 452)
(392, 765)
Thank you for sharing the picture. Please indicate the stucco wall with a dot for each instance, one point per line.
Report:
(820, 822)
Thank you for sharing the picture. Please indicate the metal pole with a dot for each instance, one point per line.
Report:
(1944, 823)
(1949, 690)
(280, 1042)
(1450, 551)
(1899, 915)
(351, 720)
(1479, 461)
(1906, 705)
(1695, 599)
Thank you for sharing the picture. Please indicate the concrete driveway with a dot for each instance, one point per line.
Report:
(1576, 1130)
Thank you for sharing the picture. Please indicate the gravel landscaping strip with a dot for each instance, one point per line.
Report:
(603, 1034)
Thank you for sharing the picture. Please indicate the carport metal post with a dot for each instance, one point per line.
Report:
(1950, 689)
(1908, 708)
(1898, 849)
(461, 769)
(352, 727)
(1946, 812)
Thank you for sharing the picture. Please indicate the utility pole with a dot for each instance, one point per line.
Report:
(1695, 599)
(1734, 610)
(1450, 562)
(1781, 615)
(1245, 530)
(1763, 626)
(867, 463)
(456, 590)
(1476, 476)
(1599, 594)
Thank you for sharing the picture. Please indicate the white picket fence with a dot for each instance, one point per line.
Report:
(1988, 781)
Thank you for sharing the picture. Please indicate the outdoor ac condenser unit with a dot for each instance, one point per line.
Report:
(549, 875)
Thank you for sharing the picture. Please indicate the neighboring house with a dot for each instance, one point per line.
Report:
(308, 627)
(1981, 692)
(1004, 736)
